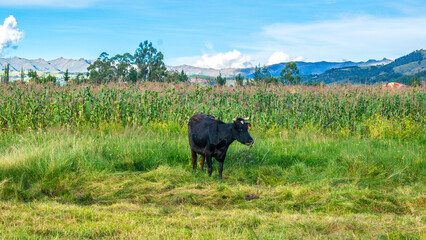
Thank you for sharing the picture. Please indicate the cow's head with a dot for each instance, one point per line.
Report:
(240, 131)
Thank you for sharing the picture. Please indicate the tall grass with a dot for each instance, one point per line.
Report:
(38, 164)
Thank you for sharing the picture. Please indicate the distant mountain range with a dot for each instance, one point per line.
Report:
(80, 66)
(57, 65)
(305, 68)
(401, 70)
(328, 72)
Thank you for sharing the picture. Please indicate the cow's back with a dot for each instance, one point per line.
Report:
(198, 127)
(200, 118)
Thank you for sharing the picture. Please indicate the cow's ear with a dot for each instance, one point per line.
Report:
(213, 135)
(248, 125)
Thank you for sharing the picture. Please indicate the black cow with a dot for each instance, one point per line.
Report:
(210, 137)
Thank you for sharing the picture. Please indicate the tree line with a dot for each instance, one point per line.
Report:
(289, 76)
(145, 65)
(32, 74)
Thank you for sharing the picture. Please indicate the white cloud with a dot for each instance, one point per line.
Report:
(231, 59)
(278, 57)
(356, 38)
(299, 59)
(9, 33)
(49, 3)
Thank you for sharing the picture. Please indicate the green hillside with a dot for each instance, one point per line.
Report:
(401, 70)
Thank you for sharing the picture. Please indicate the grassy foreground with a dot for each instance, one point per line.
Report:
(138, 183)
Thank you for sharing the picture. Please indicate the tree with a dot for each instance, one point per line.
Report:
(157, 69)
(415, 82)
(32, 74)
(5, 77)
(150, 63)
(6, 73)
(220, 80)
(264, 72)
(66, 76)
(257, 75)
(290, 74)
(102, 70)
(49, 79)
(183, 77)
(175, 76)
(262, 75)
(78, 79)
(22, 75)
(172, 76)
(271, 79)
(122, 65)
(132, 77)
(239, 79)
(267, 77)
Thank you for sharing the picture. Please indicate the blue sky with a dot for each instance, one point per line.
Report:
(216, 33)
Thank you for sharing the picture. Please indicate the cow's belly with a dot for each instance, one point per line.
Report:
(198, 150)
(199, 142)
(216, 153)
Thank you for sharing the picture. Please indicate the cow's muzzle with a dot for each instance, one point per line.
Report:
(250, 143)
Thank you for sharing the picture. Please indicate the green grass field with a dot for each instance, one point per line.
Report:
(138, 183)
(80, 177)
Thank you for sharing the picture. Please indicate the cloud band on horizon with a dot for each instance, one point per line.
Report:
(231, 59)
(356, 37)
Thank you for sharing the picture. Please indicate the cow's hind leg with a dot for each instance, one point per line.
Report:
(221, 160)
(202, 162)
(194, 160)
(209, 164)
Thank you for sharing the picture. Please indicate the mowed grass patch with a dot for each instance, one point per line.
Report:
(52, 220)
(171, 187)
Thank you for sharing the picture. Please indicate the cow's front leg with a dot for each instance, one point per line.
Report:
(209, 164)
(221, 160)
(220, 168)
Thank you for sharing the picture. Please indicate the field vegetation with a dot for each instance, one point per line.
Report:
(358, 111)
(113, 161)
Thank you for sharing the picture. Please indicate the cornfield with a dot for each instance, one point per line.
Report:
(347, 109)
